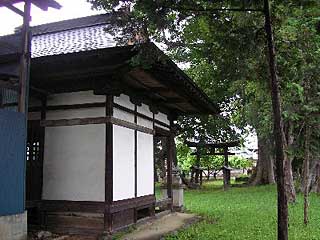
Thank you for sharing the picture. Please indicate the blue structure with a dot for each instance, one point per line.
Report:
(12, 162)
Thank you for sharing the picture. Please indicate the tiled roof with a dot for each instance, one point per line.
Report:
(74, 40)
(69, 36)
(75, 35)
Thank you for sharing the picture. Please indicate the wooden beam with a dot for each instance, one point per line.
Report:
(213, 154)
(170, 142)
(9, 5)
(96, 120)
(25, 59)
(109, 166)
(213, 145)
(68, 107)
(42, 4)
(97, 105)
(9, 85)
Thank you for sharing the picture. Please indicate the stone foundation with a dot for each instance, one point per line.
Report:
(13, 227)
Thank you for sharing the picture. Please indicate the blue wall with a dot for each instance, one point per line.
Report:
(12, 162)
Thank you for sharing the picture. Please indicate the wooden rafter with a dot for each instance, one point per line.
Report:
(42, 4)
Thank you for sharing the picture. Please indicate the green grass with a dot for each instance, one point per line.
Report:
(245, 213)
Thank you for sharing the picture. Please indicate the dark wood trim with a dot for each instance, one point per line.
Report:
(75, 121)
(170, 160)
(95, 105)
(154, 159)
(93, 206)
(135, 153)
(69, 106)
(5, 105)
(121, 205)
(133, 126)
(161, 132)
(95, 120)
(71, 206)
(43, 116)
(109, 166)
(141, 115)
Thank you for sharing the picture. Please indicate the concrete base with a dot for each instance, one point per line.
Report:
(13, 227)
(177, 197)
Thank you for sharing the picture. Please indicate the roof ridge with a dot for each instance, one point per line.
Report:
(70, 24)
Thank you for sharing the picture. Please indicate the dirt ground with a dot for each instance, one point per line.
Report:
(152, 229)
(160, 227)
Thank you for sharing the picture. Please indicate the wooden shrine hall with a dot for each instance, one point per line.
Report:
(94, 110)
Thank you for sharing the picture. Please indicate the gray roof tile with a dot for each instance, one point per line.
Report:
(69, 36)
(70, 41)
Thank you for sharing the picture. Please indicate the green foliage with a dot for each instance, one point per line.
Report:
(226, 56)
(187, 160)
(245, 213)
(240, 162)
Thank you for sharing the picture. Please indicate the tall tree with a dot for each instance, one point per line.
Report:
(228, 60)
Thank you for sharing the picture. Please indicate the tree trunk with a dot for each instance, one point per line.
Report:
(197, 168)
(317, 178)
(289, 183)
(288, 180)
(306, 164)
(278, 129)
(265, 172)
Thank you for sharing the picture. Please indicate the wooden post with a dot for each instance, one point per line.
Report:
(135, 161)
(25, 59)
(170, 143)
(197, 166)
(226, 175)
(108, 167)
(41, 215)
(278, 129)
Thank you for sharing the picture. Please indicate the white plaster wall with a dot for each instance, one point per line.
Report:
(74, 163)
(144, 109)
(144, 122)
(74, 98)
(124, 101)
(123, 115)
(76, 113)
(145, 162)
(162, 118)
(123, 163)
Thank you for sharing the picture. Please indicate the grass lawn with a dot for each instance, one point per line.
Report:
(245, 213)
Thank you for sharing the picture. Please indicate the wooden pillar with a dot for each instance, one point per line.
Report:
(41, 214)
(135, 161)
(25, 59)
(226, 174)
(108, 167)
(170, 158)
(197, 166)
